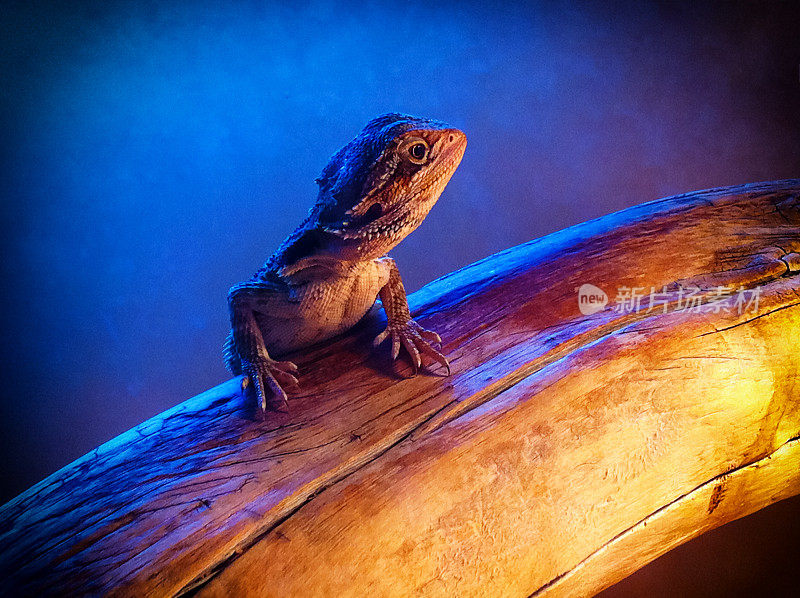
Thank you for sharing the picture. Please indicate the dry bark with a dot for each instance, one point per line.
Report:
(565, 451)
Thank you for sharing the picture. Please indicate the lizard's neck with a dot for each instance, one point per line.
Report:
(312, 253)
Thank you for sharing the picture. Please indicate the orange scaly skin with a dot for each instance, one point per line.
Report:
(326, 276)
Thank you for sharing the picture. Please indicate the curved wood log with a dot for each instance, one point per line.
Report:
(565, 451)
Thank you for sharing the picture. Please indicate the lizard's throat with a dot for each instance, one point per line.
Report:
(393, 225)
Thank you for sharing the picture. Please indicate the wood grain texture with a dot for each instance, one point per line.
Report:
(565, 451)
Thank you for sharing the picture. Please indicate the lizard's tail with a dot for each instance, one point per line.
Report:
(231, 356)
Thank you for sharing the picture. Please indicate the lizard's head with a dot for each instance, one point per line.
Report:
(381, 185)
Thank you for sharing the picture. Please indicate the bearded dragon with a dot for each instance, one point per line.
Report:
(329, 272)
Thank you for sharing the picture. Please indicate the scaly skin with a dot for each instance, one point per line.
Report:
(326, 276)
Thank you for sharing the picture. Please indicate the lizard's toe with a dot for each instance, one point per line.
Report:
(286, 366)
(435, 355)
(417, 342)
(267, 379)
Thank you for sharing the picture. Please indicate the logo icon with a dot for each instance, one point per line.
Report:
(591, 299)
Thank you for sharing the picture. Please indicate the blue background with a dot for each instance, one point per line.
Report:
(155, 153)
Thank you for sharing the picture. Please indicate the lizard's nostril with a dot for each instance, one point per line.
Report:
(452, 137)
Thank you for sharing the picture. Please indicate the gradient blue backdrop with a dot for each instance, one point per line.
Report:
(155, 153)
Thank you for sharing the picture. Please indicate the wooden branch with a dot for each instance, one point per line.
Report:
(565, 451)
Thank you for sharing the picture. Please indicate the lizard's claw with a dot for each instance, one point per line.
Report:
(268, 377)
(417, 342)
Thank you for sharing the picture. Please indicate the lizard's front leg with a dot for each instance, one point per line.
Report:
(401, 328)
(266, 375)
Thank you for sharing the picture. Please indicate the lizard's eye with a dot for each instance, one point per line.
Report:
(418, 151)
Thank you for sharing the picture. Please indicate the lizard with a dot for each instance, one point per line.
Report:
(326, 276)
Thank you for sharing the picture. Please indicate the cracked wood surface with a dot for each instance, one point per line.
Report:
(564, 452)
